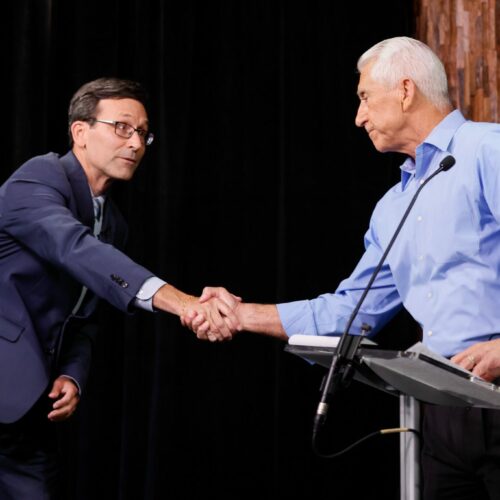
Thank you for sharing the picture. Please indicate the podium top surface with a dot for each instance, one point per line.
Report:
(416, 372)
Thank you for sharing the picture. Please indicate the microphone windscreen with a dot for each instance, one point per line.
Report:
(447, 163)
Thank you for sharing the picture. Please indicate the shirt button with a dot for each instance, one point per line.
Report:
(421, 181)
(429, 295)
(420, 257)
(419, 218)
(429, 333)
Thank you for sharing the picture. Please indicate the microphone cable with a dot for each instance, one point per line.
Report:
(380, 432)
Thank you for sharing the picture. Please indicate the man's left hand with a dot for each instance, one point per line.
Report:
(482, 359)
(66, 395)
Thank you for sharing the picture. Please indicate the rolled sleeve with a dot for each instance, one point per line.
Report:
(296, 318)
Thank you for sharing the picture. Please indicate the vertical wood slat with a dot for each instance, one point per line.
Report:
(466, 36)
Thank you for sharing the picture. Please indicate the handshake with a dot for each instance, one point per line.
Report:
(218, 314)
(214, 315)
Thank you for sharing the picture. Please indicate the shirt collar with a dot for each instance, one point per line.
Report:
(98, 203)
(438, 140)
(441, 136)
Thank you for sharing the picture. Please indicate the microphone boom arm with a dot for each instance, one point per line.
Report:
(341, 369)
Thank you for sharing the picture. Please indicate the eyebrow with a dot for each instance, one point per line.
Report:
(128, 115)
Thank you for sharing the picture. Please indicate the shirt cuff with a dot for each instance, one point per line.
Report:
(144, 297)
(296, 318)
(74, 381)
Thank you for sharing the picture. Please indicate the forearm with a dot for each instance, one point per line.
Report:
(261, 318)
(172, 300)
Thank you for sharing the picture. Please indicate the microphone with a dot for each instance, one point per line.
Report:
(445, 165)
(341, 369)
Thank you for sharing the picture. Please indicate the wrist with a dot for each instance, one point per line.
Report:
(261, 318)
(171, 300)
(244, 313)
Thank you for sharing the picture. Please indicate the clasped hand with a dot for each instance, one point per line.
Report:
(214, 315)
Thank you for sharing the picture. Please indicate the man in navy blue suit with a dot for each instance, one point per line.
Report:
(60, 248)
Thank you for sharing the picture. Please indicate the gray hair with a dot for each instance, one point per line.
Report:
(402, 57)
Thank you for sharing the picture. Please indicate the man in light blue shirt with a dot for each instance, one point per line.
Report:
(444, 267)
(445, 263)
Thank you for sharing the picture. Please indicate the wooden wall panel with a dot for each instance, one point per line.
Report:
(466, 35)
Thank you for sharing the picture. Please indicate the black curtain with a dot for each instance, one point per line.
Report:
(259, 181)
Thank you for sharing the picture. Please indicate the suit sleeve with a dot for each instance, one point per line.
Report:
(37, 212)
(76, 352)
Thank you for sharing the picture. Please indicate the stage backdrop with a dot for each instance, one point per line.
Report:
(466, 35)
(259, 181)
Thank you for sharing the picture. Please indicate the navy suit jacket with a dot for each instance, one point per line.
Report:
(47, 251)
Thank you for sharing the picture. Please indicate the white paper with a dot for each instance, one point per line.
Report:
(320, 340)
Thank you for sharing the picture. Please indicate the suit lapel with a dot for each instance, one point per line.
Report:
(114, 227)
(80, 187)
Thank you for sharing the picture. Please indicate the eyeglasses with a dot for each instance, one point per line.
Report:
(127, 131)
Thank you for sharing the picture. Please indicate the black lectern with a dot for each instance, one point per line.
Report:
(414, 375)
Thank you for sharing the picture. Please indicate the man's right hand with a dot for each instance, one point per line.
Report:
(214, 317)
(238, 315)
(226, 303)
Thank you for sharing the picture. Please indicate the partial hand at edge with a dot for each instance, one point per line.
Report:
(482, 359)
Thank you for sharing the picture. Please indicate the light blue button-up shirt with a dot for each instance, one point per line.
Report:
(444, 267)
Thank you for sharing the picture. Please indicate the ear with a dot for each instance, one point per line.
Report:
(407, 90)
(79, 133)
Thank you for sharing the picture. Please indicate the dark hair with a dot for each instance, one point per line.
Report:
(84, 102)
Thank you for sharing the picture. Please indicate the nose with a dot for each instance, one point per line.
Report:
(360, 119)
(135, 141)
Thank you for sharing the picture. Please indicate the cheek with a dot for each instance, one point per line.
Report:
(385, 120)
(101, 156)
(97, 147)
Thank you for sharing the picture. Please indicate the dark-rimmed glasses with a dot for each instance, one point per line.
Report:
(126, 131)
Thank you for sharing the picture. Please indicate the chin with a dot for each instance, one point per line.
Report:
(381, 148)
(128, 176)
(123, 176)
